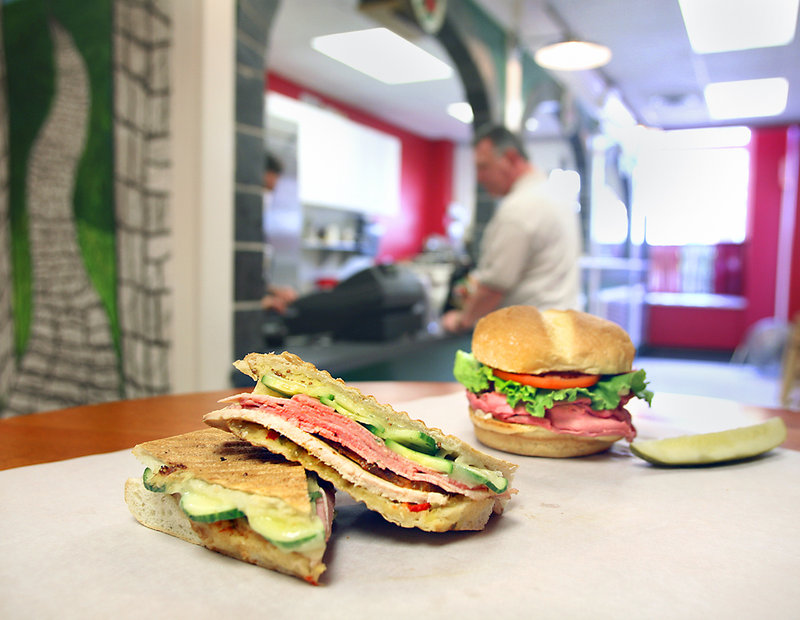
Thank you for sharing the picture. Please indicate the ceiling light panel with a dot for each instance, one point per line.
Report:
(382, 55)
(572, 56)
(728, 25)
(746, 98)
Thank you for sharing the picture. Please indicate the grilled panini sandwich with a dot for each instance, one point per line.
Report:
(412, 475)
(213, 490)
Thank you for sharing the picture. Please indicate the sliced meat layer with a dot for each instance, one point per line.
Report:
(315, 418)
(576, 417)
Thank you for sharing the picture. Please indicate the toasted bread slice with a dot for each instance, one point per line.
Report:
(257, 480)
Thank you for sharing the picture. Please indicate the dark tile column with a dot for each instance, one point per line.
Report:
(254, 20)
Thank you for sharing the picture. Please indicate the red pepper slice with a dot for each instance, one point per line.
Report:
(418, 507)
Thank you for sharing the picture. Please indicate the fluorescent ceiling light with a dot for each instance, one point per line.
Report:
(461, 111)
(572, 56)
(746, 98)
(382, 55)
(727, 25)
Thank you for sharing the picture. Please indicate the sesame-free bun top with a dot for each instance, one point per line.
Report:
(524, 340)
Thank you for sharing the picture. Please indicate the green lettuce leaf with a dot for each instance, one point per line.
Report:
(473, 375)
(605, 394)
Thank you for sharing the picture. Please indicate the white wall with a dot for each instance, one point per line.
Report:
(202, 113)
(341, 164)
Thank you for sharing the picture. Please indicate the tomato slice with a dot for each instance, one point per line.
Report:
(550, 380)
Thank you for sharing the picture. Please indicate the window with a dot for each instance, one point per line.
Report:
(690, 195)
(691, 187)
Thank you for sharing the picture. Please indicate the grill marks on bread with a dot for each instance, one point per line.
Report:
(216, 457)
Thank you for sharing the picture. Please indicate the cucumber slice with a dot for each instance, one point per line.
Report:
(375, 429)
(147, 480)
(279, 385)
(205, 508)
(435, 463)
(416, 440)
(468, 474)
(372, 425)
(708, 448)
(327, 399)
(285, 533)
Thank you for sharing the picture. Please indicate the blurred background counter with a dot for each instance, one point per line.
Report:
(381, 323)
(419, 357)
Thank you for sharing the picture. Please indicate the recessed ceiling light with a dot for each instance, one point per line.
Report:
(572, 56)
(746, 98)
(727, 25)
(461, 111)
(382, 55)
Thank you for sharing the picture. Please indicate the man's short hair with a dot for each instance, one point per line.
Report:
(501, 138)
(273, 164)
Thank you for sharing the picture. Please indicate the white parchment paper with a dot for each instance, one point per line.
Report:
(606, 536)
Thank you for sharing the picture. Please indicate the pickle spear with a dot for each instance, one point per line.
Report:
(709, 448)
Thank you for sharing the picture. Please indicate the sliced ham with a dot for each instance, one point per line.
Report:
(311, 416)
(575, 418)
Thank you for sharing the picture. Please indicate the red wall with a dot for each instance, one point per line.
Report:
(767, 149)
(794, 279)
(425, 178)
(717, 328)
(694, 328)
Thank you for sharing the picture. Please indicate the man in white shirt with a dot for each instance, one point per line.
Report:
(530, 248)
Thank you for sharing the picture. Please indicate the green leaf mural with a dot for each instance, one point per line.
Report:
(30, 89)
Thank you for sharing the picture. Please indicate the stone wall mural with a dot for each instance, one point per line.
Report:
(84, 204)
(142, 44)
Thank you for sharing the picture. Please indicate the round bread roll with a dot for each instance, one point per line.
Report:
(524, 340)
(535, 441)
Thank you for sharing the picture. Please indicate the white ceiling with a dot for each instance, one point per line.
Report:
(653, 67)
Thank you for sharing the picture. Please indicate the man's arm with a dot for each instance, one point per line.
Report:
(480, 302)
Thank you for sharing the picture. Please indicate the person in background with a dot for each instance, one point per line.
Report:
(277, 298)
(530, 248)
(273, 169)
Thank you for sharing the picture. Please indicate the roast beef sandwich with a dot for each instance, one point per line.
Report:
(412, 475)
(213, 490)
(551, 383)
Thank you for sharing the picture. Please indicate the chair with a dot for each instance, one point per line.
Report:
(790, 383)
(764, 346)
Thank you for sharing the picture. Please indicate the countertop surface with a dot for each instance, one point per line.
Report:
(607, 536)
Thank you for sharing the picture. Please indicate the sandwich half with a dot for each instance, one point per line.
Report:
(412, 475)
(213, 490)
(553, 383)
